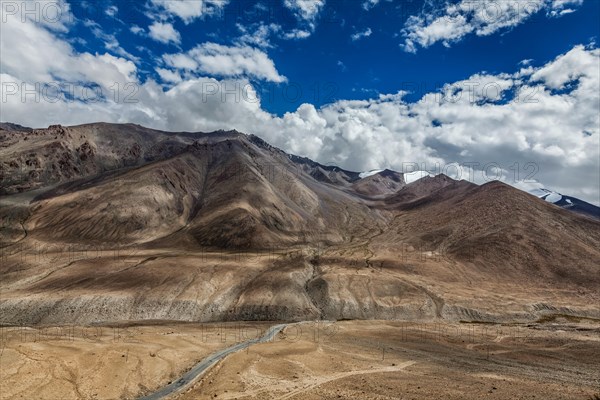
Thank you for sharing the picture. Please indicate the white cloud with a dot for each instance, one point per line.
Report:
(258, 34)
(440, 29)
(576, 64)
(296, 34)
(226, 61)
(181, 61)
(453, 21)
(563, 7)
(188, 10)
(164, 33)
(137, 30)
(54, 15)
(368, 4)
(111, 10)
(306, 12)
(110, 41)
(32, 52)
(411, 175)
(359, 35)
(560, 4)
(168, 76)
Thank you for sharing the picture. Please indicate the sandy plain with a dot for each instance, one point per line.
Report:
(553, 359)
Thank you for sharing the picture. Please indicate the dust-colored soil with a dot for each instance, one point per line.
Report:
(313, 360)
(396, 360)
(106, 362)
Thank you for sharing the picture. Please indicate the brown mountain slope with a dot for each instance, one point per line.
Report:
(424, 187)
(382, 183)
(42, 157)
(498, 228)
(488, 251)
(223, 226)
(226, 194)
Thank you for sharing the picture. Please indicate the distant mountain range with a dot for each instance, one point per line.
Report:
(568, 202)
(108, 222)
(321, 172)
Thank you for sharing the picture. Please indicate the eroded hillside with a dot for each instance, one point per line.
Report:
(117, 222)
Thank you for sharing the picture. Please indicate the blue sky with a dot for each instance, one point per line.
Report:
(329, 65)
(487, 88)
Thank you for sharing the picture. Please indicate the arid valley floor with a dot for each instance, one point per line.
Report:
(313, 360)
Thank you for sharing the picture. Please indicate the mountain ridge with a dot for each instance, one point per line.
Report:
(224, 226)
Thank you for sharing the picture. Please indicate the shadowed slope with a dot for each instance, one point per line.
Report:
(223, 226)
(43, 157)
(503, 231)
(382, 183)
(226, 193)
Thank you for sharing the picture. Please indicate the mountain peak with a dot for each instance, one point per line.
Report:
(379, 182)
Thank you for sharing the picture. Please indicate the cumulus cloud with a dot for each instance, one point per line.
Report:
(359, 35)
(164, 33)
(577, 63)
(306, 12)
(33, 52)
(189, 10)
(532, 127)
(168, 76)
(181, 61)
(226, 61)
(258, 35)
(453, 21)
(56, 14)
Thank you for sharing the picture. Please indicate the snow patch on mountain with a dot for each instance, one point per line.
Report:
(548, 195)
(369, 173)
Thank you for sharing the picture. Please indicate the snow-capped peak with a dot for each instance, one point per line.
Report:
(548, 195)
(567, 202)
(369, 173)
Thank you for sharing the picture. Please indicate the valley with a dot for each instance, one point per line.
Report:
(313, 360)
(172, 233)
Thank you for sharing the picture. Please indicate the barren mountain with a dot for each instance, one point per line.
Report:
(37, 158)
(106, 222)
(568, 202)
(382, 183)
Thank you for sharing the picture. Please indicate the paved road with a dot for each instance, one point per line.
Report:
(208, 362)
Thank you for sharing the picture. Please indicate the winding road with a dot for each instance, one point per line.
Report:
(200, 368)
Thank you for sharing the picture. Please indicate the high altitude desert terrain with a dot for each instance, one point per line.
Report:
(312, 360)
(107, 226)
